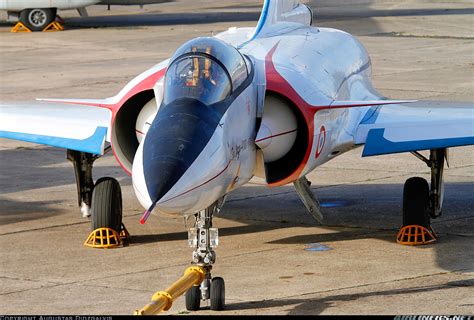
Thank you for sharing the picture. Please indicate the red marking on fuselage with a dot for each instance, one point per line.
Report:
(276, 83)
(276, 135)
(213, 178)
(147, 213)
(146, 84)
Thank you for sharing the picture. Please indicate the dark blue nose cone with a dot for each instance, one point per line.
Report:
(178, 134)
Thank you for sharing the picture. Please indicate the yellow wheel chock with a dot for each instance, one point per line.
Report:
(20, 27)
(106, 238)
(414, 235)
(163, 300)
(53, 26)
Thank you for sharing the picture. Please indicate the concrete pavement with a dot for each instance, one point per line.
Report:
(419, 50)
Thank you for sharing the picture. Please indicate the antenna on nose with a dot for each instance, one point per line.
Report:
(147, 213)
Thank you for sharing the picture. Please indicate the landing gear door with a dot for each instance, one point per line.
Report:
(261, 83)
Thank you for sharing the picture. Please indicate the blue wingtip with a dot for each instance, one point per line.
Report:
(92, 144)
(377, 144)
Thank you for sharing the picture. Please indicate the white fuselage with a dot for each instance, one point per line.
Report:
(321, 66)
(226, 162)
(19, 5)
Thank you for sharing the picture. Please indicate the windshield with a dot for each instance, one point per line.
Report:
(199, 77)
(226, 54)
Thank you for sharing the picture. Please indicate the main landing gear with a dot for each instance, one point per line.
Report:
(37, 19)
(421, 202)
(102, 202)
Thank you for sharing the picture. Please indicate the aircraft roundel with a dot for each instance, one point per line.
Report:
(321, 141)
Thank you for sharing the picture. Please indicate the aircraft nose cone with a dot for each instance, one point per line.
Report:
(175, 139)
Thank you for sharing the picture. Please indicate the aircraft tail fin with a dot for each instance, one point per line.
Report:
(275, 12)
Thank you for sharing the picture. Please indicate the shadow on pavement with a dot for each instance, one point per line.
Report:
(23, 169)
(16, 211)
(317, 306)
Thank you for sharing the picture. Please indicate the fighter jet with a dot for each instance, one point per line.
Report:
(274, 101)
(38, 14)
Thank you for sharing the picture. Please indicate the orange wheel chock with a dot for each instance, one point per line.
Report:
(20, 27)
(53, 26)
(414, 235)
(106, 238)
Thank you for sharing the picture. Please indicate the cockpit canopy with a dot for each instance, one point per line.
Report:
(206, 69)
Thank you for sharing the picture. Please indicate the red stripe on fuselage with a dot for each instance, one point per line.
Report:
(276, 135)
(146, 84)
(278, 84)
(194, 188)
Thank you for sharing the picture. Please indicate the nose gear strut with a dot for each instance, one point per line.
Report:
(204, 238)
(197, 281)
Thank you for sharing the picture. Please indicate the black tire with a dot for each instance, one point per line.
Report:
(416, 200)
(217, 294)
(193, 298)
(37, 19)
(107, 204)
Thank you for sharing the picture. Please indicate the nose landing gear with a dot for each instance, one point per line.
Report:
(197, 281)
(203, 238)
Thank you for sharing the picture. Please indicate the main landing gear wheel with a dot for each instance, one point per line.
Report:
(217, 294)
(416, 201)
(37, 19)
(416, 228)
(107, 204)
(107, 228)
(193, 298)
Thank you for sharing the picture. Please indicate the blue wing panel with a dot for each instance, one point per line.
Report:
(93, 144)
(376, 144)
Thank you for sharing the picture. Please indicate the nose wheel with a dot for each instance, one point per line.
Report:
(193, 298)
(216, 296)
(203, 238)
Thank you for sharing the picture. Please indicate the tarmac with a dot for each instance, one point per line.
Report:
(274, 257)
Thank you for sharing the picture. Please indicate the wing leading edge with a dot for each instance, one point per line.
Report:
(75, 127)
(421, 125)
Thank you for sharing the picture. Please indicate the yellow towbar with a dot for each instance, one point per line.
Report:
(163, 300)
